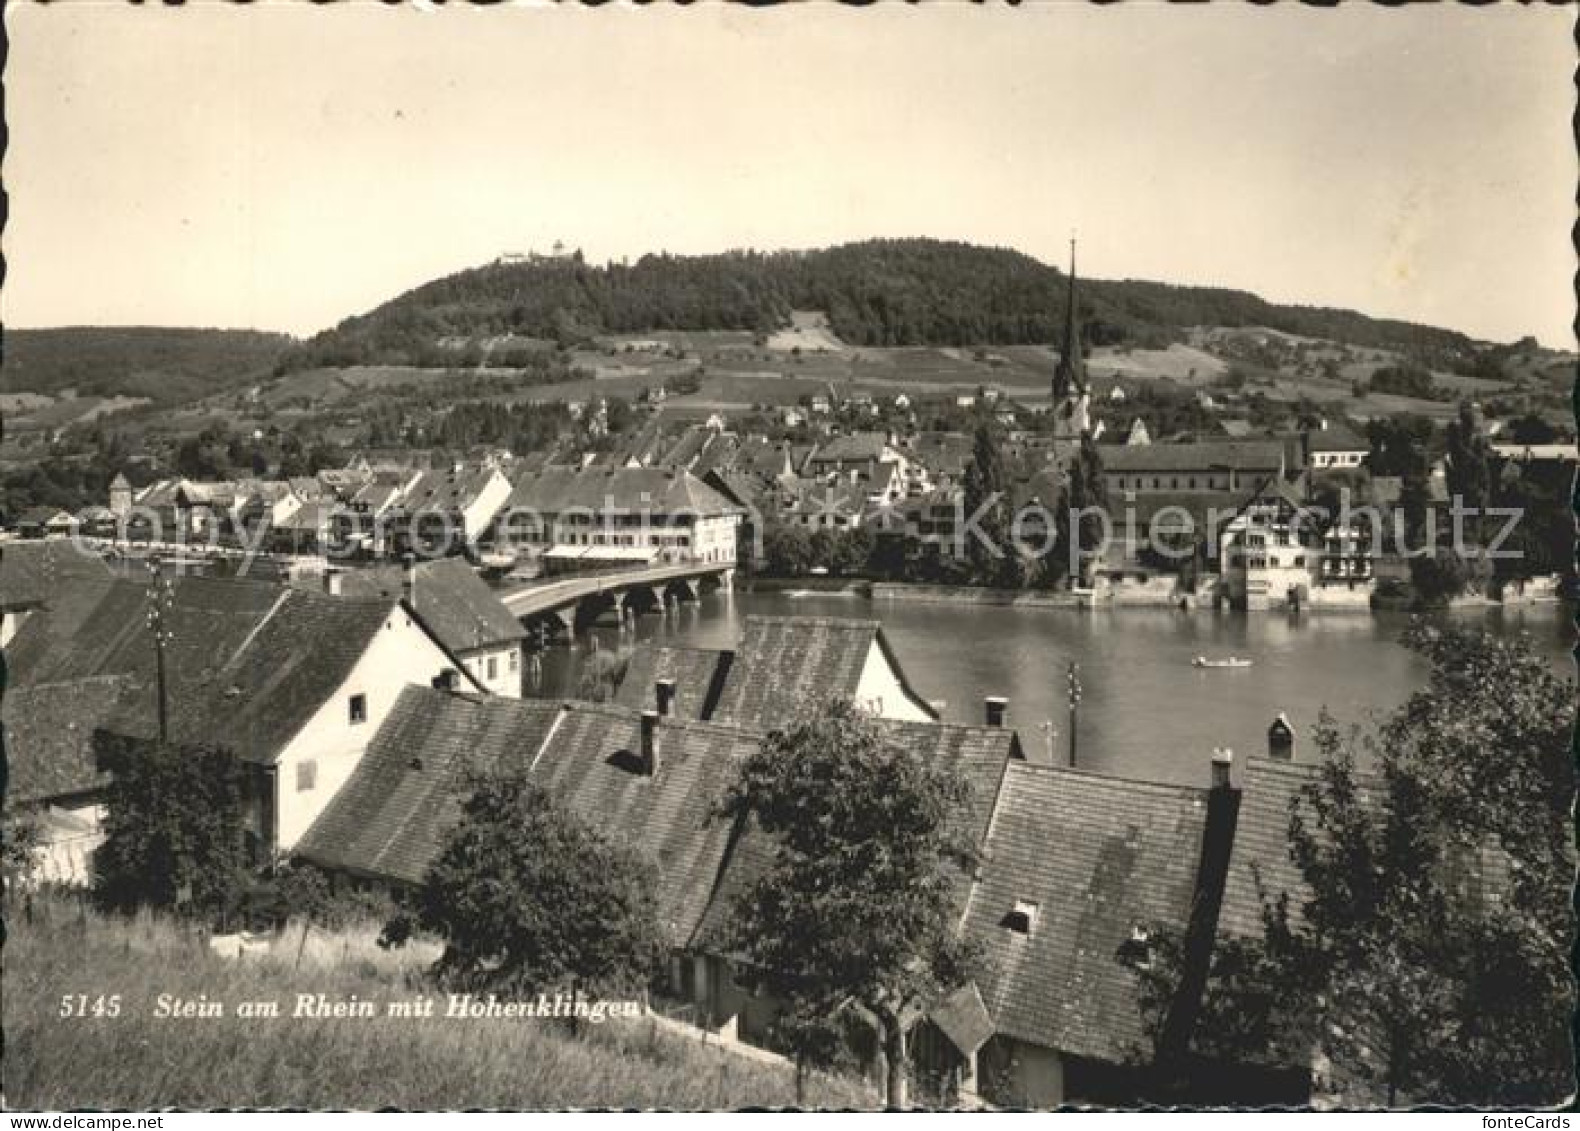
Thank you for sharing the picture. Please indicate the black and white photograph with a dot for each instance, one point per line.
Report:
(801, 556)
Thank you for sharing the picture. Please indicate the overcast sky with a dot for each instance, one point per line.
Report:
(283, 167)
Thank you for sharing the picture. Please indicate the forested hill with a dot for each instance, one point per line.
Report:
(876, 293)
(167, 365)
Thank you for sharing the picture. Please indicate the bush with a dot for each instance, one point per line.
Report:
(529, 898)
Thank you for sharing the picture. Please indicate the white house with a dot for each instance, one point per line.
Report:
(293, 682)
(626, 515)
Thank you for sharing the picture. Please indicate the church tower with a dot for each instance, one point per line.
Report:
(1071, 389)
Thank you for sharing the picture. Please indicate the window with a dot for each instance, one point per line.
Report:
(493, 667)
(306, 776)
(359, 709)
(515, 660)
(1020, 918)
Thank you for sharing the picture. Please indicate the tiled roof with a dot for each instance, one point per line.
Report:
(1260, 861)
(1247, 456)
(49, 736)
(669, 818)
(448, 490)
(555, 490)
(30, 572)
(786, 664)
(698, 673)
(943, 453)
(1335, 438)
(1097, 856)
(391, 816)
(456, 605)
(982, 755)
(857, 447)
(247, 665)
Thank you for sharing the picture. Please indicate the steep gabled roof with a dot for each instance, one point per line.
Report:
(589, 764)
(453, 601)
(982, 755)
(31, 572)
(247, 664)
(857, 447)
(390, 818)
(785, 664)
(49, 737)
(555, 490)
(699, 675)
(1093, 858)
(1261, 861)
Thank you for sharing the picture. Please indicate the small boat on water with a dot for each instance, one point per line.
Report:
(1228, 662)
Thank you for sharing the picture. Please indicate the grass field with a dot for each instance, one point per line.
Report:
(139, 1061)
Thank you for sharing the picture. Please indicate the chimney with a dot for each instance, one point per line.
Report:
(409, 584)
(1212, 876)
(1281, 739)
(994, 707)
(1222, 764)
(332, 581)
(650, 743)
(664, 696)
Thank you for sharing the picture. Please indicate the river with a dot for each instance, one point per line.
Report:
(1145, 712)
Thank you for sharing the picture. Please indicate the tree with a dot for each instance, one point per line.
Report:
(1431, 953)
(1467, 467)
(787, 550)
(1085, 491)
(174, 832)
(528, 897)
(1532, 429)
(1438, 577)
(989, 543)
(856, 916)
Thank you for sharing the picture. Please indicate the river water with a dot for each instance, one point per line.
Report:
(1145, 711)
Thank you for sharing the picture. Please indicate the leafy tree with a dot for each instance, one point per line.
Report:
(174, 831)
(787, 550)
(1467, 466)
(988, 545)
(601, 674)
(528, 897)
(856, 916)
(1438, 577)
(20, 840)
(1399, 444)
(1085, 491)
(850, 551)
(1532, 429)
(1430, 957)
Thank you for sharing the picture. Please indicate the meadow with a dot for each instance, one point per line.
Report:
(137, 1060)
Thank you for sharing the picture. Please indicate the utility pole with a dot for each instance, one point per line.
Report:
(160, 595)
(1075, 699)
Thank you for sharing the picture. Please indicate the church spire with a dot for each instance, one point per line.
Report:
(1070, 374)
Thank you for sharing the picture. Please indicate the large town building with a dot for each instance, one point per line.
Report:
(573, 518)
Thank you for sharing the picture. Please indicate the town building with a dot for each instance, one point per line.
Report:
(55, 778)
(456, 605)
(294, 683)
(447, 511)
(1270, 553)
(1333, 447)
(868, 460)
(618, 516)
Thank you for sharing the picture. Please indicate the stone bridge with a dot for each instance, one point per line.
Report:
(572, 603)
